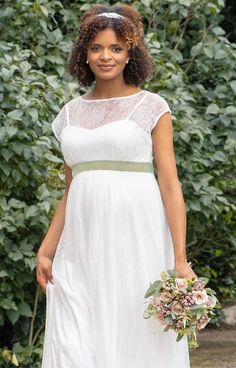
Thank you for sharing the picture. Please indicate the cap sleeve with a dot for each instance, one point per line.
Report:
(159, 107)
(60, 122)
(148, 112)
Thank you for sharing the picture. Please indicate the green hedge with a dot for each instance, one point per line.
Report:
(195, 72)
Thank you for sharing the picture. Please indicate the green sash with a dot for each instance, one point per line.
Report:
(112, 165)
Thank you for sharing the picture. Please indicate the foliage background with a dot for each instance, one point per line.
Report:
(195, 71)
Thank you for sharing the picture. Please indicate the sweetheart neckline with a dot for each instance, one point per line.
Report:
(104, 125)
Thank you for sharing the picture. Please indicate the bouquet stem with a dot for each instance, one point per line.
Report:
(192, 339)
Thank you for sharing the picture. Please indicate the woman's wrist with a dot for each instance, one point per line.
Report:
(43, 253)
(181, 260)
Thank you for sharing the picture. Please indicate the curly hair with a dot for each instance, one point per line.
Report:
(129, 29)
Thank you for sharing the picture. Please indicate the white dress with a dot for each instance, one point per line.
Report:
(116, 240)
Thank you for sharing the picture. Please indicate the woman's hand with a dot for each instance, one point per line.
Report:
(185, 270)
(43, 271)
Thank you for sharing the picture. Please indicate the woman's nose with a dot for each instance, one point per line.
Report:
(105, 55)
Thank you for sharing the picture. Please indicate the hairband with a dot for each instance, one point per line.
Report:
(111, 15)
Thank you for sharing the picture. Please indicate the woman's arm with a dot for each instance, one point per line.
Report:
(48, 247)
(171, 191)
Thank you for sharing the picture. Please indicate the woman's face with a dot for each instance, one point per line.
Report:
(107, 55)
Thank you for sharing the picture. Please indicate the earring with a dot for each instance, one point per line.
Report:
(127, 60)
(87, 62)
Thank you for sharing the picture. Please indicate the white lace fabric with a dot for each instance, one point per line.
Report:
(144, 108)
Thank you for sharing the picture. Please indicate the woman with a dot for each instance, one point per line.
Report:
(116, 227)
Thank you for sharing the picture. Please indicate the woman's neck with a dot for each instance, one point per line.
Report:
(112, 89)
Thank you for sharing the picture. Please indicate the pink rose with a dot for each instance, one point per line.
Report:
(180, 324)
(200, 297)
(181, 283)
(167, 286)
(203, 322)
(161, 318)
(166, 296)
(199, 285)
(176, 308)
(211, 301)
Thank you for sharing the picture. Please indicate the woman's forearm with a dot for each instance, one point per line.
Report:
(176, 216)
(50, 242)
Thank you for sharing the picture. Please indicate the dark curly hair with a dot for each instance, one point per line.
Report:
(129, 29)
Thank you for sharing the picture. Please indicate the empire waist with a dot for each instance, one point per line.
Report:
(112, 165)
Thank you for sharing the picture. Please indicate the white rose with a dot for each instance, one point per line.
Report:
(200, 297)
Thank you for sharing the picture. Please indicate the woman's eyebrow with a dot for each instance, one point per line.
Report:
(114, 44)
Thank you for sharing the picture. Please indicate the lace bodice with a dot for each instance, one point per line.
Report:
(144, 108)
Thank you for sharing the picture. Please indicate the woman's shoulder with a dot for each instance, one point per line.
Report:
(156, 96)
(73, 100)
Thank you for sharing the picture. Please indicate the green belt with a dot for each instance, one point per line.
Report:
(112, 165)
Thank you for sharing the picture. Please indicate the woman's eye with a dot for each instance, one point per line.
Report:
(95, 48)
(117, 49)
(98, 48)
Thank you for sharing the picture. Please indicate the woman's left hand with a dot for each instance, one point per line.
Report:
(185, 270)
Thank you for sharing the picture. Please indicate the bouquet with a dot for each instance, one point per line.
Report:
(181, 304)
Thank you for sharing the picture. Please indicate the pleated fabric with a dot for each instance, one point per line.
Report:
(116, 240)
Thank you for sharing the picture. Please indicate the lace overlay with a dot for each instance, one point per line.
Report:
(144, 108)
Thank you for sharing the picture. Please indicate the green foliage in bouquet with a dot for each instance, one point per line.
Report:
(194, 71)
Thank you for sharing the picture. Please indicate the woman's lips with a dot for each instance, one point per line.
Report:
(106, 68)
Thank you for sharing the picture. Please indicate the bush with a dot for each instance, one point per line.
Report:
(194, 71)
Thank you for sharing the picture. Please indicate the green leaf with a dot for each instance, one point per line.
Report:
(55, 36)
(220, 54)
(3, 273)
(185, 136)
(24, 168)
(173, 273)
(6, 168)
(146, 2)
(233, 86)
(53, 158)
(25, 310)
(185, 2)
(156, 286)
(15, 114)
(53, 81)
(218, 31)
(218, 252)
(44, 10)
(31, 211)
(15, 203)
(196, 49)
(169, 319)
(167, 328)
(11, 131)
(230, 110)
(210, 291)
(34, 114)
(7, 154)
(212, 109)
(13, 315)
(15, 255)
(179, 337)
(220, 156)
(85, 7)
(195, 205)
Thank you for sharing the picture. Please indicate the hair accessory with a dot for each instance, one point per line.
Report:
(110, 15)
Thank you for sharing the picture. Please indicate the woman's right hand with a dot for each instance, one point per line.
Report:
(43, 271)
